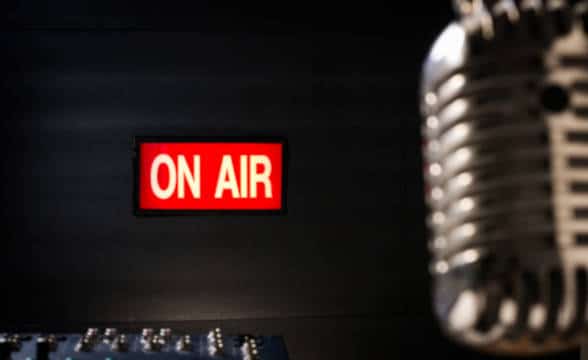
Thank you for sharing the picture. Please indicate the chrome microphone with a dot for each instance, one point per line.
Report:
(504, 98)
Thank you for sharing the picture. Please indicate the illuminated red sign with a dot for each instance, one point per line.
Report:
(189, 176)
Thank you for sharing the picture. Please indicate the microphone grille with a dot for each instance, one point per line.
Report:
(505, 106)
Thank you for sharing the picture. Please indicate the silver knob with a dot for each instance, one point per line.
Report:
(155, 343)
(85, 344)
(165, 333)
(184, 344)
(250, 349)
(120, 343)
(109, 335)
(92, 332)
(146, 334)
(215, 342)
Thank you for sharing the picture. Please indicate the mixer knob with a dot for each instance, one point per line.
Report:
(88, 341)
(120, 343)
(146, 335)
(45, 345)
(15, 342)
(184, 344)
(109, 335)
(215, 342)
(85, 344)
(250, 349)
(155, 343)
(165, 333)
(92, 332)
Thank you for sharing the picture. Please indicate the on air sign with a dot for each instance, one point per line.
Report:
(176, 175)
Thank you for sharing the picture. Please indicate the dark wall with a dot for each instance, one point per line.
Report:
(79, 81)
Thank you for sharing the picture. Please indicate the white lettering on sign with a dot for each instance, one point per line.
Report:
(226, 179)
(261, 177)
(249, 177)
(243, 169)
(184, 175)
(254, 170)
(163, 159)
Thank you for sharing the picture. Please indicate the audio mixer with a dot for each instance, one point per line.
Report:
(162, 344)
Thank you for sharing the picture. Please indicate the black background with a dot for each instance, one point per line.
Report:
(343, 275)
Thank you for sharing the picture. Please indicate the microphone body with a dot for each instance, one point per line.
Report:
(504, 98)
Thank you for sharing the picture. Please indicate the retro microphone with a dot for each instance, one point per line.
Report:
(505, 127)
